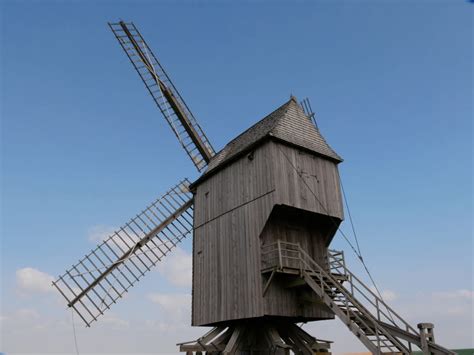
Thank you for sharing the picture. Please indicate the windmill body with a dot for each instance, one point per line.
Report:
(256, 191)
(262, 216)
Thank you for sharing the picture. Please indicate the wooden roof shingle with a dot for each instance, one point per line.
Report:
(287, 123)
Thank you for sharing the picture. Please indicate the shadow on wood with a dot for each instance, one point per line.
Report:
(257, 336)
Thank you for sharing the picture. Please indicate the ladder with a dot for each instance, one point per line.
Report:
(366, 315)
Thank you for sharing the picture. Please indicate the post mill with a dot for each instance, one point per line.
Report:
(262, 216)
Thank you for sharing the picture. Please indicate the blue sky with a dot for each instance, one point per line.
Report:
(84, 148)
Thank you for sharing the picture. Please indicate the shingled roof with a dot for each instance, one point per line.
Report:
(287, 123)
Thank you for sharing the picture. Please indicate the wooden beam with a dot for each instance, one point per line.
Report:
(233, 343)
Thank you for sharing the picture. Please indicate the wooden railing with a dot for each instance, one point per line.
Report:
(371, 309)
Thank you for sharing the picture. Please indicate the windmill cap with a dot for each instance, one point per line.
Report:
(287, 124)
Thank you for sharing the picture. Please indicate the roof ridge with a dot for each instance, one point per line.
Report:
(288, 123)
(292, 98)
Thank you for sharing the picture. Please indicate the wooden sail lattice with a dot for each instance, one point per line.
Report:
(98, 280)
(164, 93)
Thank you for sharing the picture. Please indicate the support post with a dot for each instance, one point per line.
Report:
(259, 336)
(426, 335)
(280, 257)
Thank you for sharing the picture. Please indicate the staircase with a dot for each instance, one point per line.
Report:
(366, 315)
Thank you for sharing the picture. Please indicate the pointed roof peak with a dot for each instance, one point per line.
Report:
(287, 123)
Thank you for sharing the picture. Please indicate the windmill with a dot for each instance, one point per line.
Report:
(262, 215)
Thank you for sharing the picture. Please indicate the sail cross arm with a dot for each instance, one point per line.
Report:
(204, 150)
(134, 249)
(164, 93)
(104, 275)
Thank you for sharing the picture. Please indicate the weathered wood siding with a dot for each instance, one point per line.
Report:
(320, 190)
(311, 231)
(232, 209)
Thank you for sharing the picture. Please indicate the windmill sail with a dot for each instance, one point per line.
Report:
(165, 94)
(105, 274)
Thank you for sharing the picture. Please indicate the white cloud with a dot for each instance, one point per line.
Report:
(97, 234)
(30, 280)
(172, 303)
(22, 318)
(175, 312)
(455, 303)
(462, 294)
(177, 268)
(387, 295)
(27, 314)
(111, 320)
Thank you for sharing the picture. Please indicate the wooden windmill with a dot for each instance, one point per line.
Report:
(262, 216)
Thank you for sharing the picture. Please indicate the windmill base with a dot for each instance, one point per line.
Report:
(257, 337)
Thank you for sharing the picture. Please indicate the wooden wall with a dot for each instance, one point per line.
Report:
(319, 192)
(311, 231)
(232, 209)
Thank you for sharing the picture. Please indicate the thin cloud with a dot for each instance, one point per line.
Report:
(174, 312)
(172, 303)
(177, 268)
(99, 233)
(462, 294)
(30, 281)
(111, 320)
(387, 295)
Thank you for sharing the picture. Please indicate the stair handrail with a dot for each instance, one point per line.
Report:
(341, 264)
(378, 301)
(335, 261)
(307, 260)
(304, 264)
(353, 285)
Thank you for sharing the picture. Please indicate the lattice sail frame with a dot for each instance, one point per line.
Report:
(164, 93)
(104, 275)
